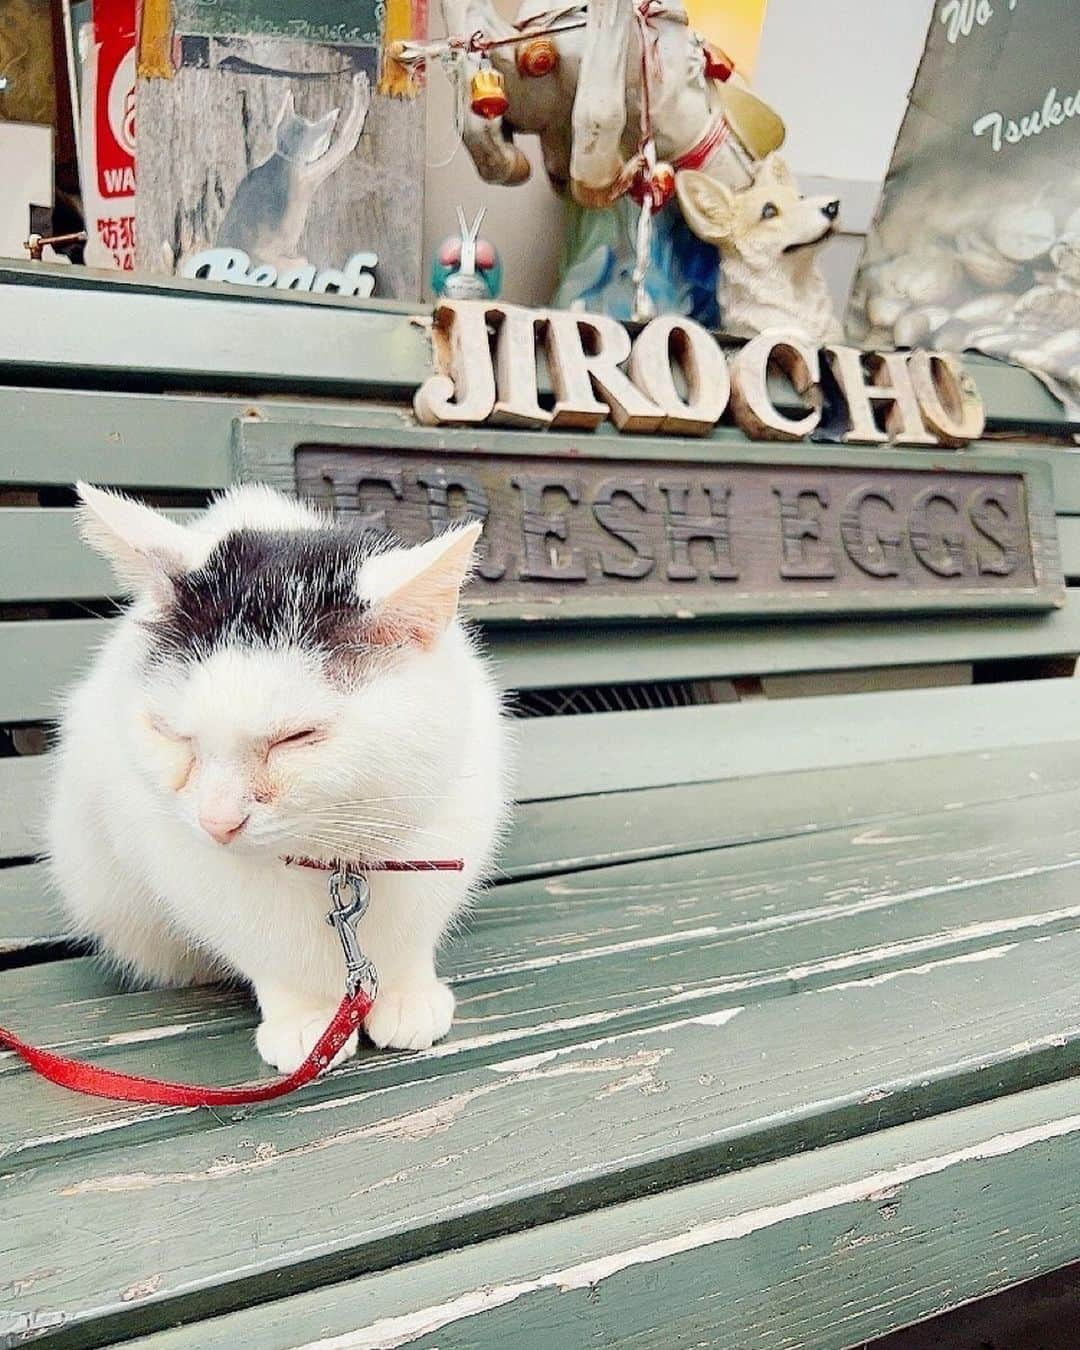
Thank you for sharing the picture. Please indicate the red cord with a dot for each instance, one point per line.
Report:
(95, 1081)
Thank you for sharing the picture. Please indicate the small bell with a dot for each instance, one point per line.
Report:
(487, 93)
(718, 65)
(657, 186)
(537, 57)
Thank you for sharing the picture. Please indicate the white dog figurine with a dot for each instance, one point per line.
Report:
(768, 236)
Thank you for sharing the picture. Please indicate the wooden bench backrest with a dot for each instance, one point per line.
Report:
(692, 685)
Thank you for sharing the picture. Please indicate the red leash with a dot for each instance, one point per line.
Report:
(95, 1081)
(361, 988)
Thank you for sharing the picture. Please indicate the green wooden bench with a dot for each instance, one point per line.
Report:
(767, 1030)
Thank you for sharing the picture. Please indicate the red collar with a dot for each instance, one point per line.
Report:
(383, 865)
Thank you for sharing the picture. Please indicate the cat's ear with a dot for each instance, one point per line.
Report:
(144, 547)
(413, 593)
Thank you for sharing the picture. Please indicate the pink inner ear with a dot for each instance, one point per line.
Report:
(450, 253)
(485, 254)
(417, 608)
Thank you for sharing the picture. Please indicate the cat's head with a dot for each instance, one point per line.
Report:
(294, 679)
(299, 140)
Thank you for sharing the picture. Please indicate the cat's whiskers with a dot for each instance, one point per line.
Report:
(345, 802)
(376, 822)
(371, 830)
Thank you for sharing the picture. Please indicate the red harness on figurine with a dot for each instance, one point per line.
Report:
(716, 132)
(349, 895)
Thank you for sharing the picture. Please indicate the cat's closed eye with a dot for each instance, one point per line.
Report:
(163, 729)
(306, 736)
(180, 753)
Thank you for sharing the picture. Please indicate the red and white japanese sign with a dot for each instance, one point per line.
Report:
(108, 118)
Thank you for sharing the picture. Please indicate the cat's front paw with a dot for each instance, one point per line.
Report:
(286, 1042)
(411, 1016)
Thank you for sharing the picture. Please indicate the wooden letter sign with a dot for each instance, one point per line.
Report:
(674, 380)
(594, 534)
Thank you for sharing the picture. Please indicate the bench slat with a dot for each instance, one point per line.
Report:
(57, 436)
(1069, 538)
(756, 1259)
(27, 916)
(260, 339)
(40, 658)
(43, 558)
(594, 954)
(592, 1124)
(215, 341)
(716, 651)
(612, 752)
(610, 828)
(570, 756)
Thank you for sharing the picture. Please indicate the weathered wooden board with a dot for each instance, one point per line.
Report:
(23, 780)
(665, 536)
(28, 918)
(317, 350)
(563, 758)
(423, 1167)
(274, 342)
(1069, 540)
(597, 953)
(684, 745)
(715, 650)
(761, 1258)
(43, 558)
(138, 440)
(40, 658)
(620, 826)
(660, 822)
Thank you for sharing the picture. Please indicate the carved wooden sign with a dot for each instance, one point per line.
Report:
(674, 379)
(596, 536)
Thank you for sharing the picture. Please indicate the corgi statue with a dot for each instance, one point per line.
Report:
(269, 210)
(767, 235)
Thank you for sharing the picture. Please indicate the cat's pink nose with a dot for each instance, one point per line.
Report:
(222, 828)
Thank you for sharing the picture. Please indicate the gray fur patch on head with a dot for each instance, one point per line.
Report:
(269, 588)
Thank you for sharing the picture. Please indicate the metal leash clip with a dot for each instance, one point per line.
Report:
(360, 972)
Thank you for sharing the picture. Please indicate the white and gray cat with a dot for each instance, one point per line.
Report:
(283, 684)
(269, 210)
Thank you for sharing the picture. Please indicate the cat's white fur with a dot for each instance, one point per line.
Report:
(411, 765)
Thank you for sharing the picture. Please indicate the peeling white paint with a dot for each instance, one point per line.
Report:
(86, 1129)
(456, 1047)
(390, 1332)
(715, 1019)
(967, 958)
(876, 835)
(409, 1127)
(611, 949)
(964, 933)
(148, 1034)
(885, 900)
(526, 1062)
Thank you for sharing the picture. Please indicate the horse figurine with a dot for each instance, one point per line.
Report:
(593, 79)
